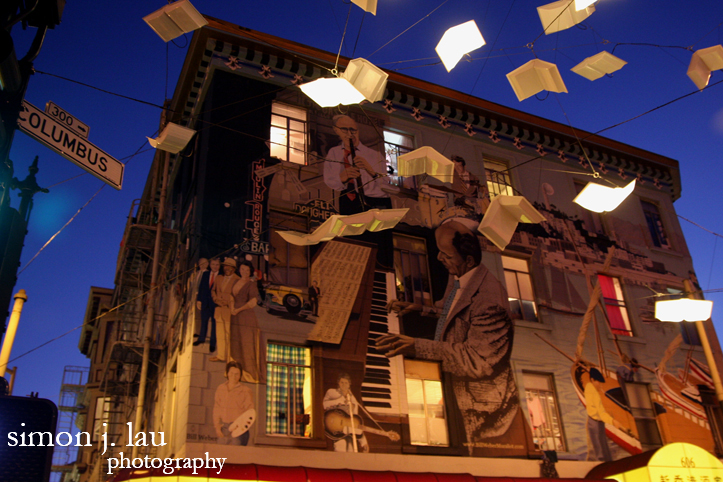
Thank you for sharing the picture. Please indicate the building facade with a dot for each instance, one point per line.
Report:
(267, 351)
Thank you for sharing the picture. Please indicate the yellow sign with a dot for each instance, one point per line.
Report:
(677, 462)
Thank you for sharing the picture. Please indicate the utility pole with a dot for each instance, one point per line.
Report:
(14, 78)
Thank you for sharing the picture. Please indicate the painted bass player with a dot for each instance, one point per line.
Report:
(342, 421)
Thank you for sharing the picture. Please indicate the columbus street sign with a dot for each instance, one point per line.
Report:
(39, 125)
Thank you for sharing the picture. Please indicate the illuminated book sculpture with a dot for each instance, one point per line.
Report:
(457, 42)
(703, 62)
(366, 5)
(361, 80)
(354, 224)
(535, 76)
(173, 138)
(598, 198)
(501, 219)
(175, 19)
(425, 160)
(592, 68)
(561, 15)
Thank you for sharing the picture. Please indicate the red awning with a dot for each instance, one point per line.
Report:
(267, 473)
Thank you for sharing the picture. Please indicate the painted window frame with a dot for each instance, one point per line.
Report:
(656, 225)
(497, 175)
(426, 376)
(393, 148)
(615, 306)
(550, 406)
(289, 123)
(520, 283)
(414, 264)
(277, 394)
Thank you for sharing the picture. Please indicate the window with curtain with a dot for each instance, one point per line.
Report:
(412, 271)
(396, 144)
(655, 225)
(543, 409)
(427, 417)
(519, 289)
(498, 177)
(288, 133)
(288, 390)
(617, 312)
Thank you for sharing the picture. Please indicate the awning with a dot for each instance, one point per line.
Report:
(266, 473)
(677, 462)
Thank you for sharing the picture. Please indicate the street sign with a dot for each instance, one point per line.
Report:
(61, 139)
(254, 247)
(80, 128)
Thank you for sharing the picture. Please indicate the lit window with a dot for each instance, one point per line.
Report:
(615, 305)
(519, 289)
(412, 272)
(288, 133)
(642, 409)
(498, 178)
(396, 144)
(427, 418)
(544, 414)
(655, 225)
(288, 390)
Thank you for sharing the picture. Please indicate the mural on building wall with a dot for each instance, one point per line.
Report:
(435, 371)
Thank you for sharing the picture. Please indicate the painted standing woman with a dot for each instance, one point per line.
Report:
(244, 325)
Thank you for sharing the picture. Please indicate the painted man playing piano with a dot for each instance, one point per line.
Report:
(473, 340)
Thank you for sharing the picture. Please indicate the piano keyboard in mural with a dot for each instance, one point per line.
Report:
(384, 387)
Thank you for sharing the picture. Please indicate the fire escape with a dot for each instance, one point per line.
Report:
(72, 394)
(124, 356)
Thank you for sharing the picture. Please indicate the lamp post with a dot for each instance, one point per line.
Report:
(20, 299)
(691, 311)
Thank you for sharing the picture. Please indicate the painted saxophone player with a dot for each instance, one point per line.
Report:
(473, 340)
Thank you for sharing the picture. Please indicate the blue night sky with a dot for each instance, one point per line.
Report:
(106, 45)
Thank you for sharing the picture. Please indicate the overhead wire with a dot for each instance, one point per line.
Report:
(408, 28)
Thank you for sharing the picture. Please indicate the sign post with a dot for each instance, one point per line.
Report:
(60, 138)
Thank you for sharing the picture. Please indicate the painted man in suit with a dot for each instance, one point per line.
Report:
(355, 171)
(473, 340)
(223, 297)
(205, 303)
